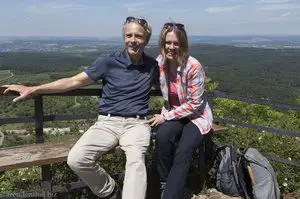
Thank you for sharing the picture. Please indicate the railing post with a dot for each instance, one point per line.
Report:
(39, 126)
(39, 123)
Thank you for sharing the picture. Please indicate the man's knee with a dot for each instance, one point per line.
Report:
(77, 160)
(135, 158)
(73, 160)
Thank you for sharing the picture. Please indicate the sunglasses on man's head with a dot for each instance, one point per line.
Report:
(171, 25)
(142, 22)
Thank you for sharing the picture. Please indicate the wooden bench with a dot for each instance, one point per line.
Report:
(34, 154)
(46, 153)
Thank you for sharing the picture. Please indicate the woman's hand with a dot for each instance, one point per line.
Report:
(156, 120)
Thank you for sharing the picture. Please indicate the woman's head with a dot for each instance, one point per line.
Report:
(173, 43)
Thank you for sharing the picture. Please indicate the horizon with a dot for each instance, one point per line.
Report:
(99, 37)
(92, 18)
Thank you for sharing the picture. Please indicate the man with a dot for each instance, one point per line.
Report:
(127, 80)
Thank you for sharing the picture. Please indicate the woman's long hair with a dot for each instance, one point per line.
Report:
(183, 43)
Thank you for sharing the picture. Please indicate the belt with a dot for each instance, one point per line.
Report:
(124, 116)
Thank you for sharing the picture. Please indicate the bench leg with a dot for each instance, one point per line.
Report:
(153, 187)
(46, 182)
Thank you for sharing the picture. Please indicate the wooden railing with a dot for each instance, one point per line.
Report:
(39, 118)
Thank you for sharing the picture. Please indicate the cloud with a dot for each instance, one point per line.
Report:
(65, 6)
(286, 14)
(51, 7)
(281, 18)
(131, 7)
(274, 1)
(274, 7)
(222, 9)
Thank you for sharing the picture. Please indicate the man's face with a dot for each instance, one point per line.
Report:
(135, 39)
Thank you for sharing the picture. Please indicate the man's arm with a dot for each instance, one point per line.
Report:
(58, 86)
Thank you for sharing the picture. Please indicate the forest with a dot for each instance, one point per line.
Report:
(272, 74)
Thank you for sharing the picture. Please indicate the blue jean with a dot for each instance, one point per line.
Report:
(173, 162)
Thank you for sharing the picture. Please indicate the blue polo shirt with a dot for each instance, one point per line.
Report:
(126, 86)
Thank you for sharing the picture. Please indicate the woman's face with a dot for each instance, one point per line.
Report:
(171, 46)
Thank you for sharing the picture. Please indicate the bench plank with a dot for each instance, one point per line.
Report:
(34, 154)
(47, 153)
(218, 128)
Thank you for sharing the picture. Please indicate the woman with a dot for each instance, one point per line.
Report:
(186, 116)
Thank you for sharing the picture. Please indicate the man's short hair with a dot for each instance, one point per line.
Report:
(142, 22)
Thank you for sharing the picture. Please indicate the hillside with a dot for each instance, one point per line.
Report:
(261, 73)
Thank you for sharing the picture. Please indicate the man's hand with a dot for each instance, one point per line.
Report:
(156, 120)
(23, 91)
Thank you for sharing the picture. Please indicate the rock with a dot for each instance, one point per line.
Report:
(57, 131)
(214, 194)
(290, 196)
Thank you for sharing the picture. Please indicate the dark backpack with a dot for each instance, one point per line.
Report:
(246, 173)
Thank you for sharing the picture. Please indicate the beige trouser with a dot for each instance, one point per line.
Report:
(133, 136)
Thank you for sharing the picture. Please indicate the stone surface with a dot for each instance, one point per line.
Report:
(214, 194)
(291, 196)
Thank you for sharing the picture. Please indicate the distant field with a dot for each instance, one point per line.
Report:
(271, 74)
(5, 74)
(2, 76)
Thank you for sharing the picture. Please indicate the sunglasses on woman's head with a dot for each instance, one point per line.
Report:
(142, 22)
(171, 25)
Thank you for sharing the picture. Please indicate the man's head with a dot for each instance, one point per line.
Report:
(136, 34)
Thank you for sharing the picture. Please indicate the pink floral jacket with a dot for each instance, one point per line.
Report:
(190, 89)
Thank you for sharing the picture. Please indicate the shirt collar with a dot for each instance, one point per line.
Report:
(127, 61)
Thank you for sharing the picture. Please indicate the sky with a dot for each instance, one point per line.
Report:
(104, 18)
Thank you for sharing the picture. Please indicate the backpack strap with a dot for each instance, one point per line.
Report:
(235, 165)
(243, 175)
